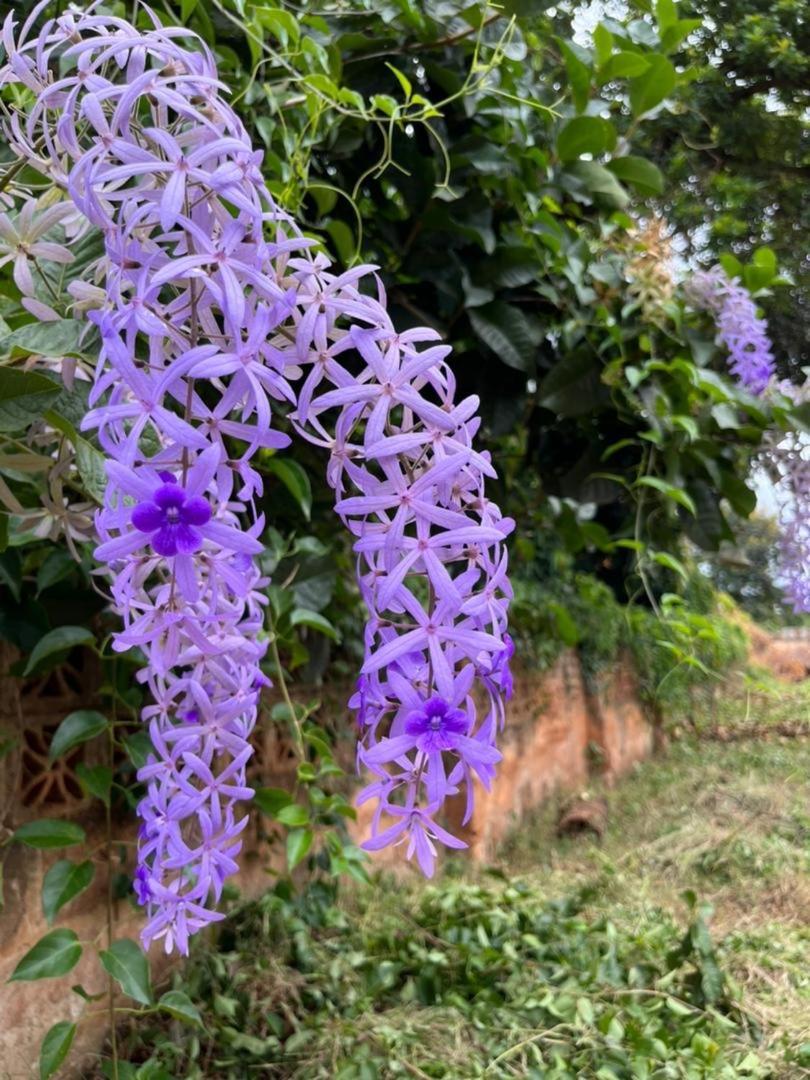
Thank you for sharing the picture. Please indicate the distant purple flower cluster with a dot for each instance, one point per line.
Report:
(788, 456)
(207, 323)
(794, 558)
(739, 328)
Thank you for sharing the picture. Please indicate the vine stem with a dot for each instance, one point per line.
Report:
(282, 682)
(645, 469)
(109, 847)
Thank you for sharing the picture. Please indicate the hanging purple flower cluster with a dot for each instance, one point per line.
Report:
(214, 306)
(739, 328)
(431, 564)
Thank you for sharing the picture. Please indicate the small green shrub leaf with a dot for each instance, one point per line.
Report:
(76, 728)
(96, 780)
(642, 174)
(292, 815)
(303, 617)
(49, 833)
(55, 1048)
(295, 480)
(53, 955)
(585, 135)
(650, 89)
(24, 396)
(270, 800)
(128, 965)
(299, 841)
(56, 641)
(180, 1005)
(63, 881)
(677, 494)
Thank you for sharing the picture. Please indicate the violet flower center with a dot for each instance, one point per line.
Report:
(173, 519)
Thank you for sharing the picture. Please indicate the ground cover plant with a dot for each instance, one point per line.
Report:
(675, 947)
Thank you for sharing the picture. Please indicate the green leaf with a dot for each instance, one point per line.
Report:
(49, 833)
(128, 965)
(732, 265)
(564, 625)
(62, 883)
(743, 500)
(603, 43)
(766, 258)
(270, 800)
(56, 641)
(304, 617)
(642, 174)
(69, 409)
(404, 82)
(674, 34)
(573, 386)
(510, 266)
(677, 494)
(666, 13)
(24, 396)
(51, 339)
(53, 955)
(343, 241)
(279, 22)
(76, 728)
(180, 1006)
(138, 746)
(506, 330)
(55, 1048)
(90, 463)
(650, 89)
(678, 1007)
(96, 780)
(578, 71)
(623, 65)
(663, 558)
(299, 841)
(295, 480)
(585, 135)
(293, 815)
(601, 183)
(57, 566)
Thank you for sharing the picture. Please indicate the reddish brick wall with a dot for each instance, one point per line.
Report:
(619, 729)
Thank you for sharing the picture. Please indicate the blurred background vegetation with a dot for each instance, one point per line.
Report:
(535, 181)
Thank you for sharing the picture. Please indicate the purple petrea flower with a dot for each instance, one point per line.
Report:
(421, 833)
(213, 308)
(739, 328)
(436, 727)
(170, 517)
(787, 459)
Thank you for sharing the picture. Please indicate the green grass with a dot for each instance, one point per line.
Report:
(729, 822)
(675, 946)
(569, 958)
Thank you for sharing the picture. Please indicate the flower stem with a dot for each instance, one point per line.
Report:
(109, 847)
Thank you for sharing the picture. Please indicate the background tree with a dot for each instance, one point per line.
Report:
(737, 149)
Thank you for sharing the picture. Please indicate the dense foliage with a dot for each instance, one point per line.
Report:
(482, 980)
